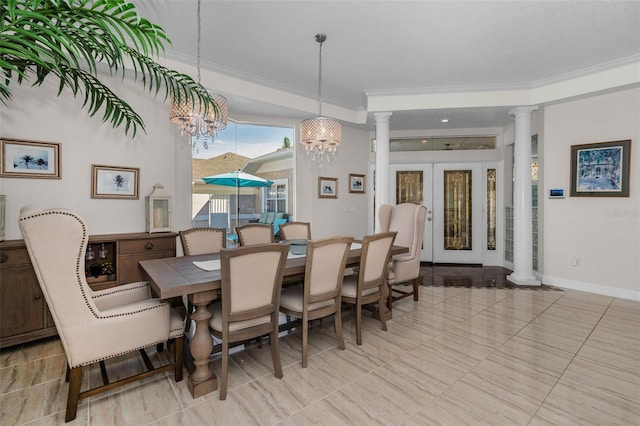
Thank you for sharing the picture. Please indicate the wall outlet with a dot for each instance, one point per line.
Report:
(574, 260)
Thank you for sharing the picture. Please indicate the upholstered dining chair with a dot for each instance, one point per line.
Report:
(295, 231)
(255, 233)
(368, 285)
(320, 295)
(408, 221)
(93, 325)
(203, 240)
(251, 284)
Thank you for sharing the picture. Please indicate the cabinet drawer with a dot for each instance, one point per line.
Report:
(14, 257)
(147, 245)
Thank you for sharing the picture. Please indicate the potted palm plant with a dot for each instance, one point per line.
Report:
(69, 39)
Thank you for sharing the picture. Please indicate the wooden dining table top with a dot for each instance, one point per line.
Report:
(177, 276)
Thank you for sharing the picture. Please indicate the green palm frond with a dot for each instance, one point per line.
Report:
(70, 38)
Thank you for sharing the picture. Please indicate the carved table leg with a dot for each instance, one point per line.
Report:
(203, 380)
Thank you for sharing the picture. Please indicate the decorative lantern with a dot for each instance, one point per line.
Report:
(158, 210)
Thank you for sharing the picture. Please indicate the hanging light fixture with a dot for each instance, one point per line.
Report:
(190, 117)
(320, 136)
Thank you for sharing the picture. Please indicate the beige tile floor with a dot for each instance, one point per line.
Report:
(459, 356)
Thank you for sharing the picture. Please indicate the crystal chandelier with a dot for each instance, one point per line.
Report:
(320, 136)
(190, 117)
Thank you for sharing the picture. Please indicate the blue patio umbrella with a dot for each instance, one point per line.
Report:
(238, 180)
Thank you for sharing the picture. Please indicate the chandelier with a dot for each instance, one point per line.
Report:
(320, 136)
(189, 115)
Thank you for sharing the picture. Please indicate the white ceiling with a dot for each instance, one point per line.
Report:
(399, 47)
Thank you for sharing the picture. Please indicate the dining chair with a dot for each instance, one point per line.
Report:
(368, 286)
(320, 295)
(202, 240)
(205, 240)
(251, 284)
(255, 233)
(94, 326)
(408, 221)
(296, 231)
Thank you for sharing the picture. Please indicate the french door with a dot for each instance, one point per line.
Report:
(453, 194)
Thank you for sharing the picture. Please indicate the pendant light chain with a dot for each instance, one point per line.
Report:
(198, 42)
(320, 39)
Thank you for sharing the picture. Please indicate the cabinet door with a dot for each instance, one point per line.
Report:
(128, 268)
(21, 301)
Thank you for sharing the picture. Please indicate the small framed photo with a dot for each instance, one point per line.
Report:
(27, 159)
(114, 182)
(600, 169)
(327, 187)
(356, 184)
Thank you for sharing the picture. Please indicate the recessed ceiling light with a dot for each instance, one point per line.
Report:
(424, 141)
(444, 120)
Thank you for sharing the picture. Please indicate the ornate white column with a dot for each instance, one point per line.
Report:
(382, 161)
(522, 203)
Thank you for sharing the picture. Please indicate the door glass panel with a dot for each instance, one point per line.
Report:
(457, 210)
(491, 209)
(409, 187)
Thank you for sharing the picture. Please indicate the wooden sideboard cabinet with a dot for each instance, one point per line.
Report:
(24, 315)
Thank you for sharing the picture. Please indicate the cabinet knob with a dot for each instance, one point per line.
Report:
(148, 245)
(3, 257)
(37, 297)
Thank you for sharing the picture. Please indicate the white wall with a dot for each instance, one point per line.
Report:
(604, 233)
(162, 155)
(37, 114)
(346, 215)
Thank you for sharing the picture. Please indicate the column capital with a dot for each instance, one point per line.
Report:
(381, 117)
(523, 110)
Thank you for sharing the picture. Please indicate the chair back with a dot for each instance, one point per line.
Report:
(296, 231)
(251, 284)
(324, 269)
(255, 233)
(375, 255)
(203, 240)
(408, 221)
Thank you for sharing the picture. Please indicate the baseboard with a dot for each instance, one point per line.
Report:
(591, 288)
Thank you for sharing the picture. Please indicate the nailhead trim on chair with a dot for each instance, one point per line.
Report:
(116, 290)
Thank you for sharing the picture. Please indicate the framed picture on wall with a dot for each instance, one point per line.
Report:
(600, 169)
(27, 159)
(327, 187)
(114, 182)
(356, 184)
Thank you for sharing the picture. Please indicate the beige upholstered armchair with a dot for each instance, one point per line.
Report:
(408, 221)
(93, 325)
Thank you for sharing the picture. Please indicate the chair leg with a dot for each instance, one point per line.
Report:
(275, 353)
(359, 323)
(225, 369)
(305, 339)
(178, 358)
(416, 286)
(75, 381)
(338, 323)
(382, 313)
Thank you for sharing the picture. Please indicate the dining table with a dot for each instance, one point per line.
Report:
(199, 278)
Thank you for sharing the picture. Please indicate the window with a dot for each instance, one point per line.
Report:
(276, 198)
(259, 150)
